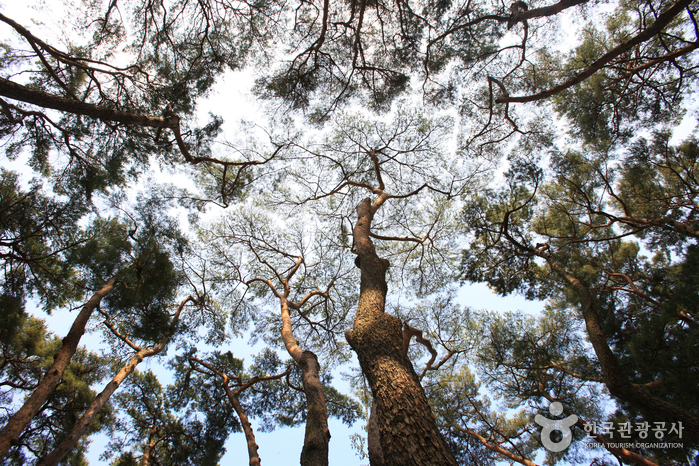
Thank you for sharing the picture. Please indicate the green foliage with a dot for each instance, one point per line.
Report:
(144, 256)
(612, 105)
(658, 181)
(26, 355)
(104, 251)
(272, 402)
(36, 234)
(516, 367)
(595, 215)
(496, 262)
(153, 420)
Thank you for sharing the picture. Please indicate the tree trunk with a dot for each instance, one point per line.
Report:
(148, 449)
(373, 440)
(317, 437)
(233, 398)
(21, 419)
(613, 377)
(69, 442)
(253, 454)
(408, 432)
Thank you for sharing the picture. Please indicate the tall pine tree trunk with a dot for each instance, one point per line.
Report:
(70, 440)
(21, 419)
(77, 431)
(317, 436)
(612, 375)
(407, 430)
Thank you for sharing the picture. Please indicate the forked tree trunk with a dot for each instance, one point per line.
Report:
(21, 419)
(407, 430)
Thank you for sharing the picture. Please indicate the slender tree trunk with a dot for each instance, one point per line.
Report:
(408, 432)
(233, 398)
(253, 454)
(317, 437)
(21, 419)
(617, 384)
(69, 442)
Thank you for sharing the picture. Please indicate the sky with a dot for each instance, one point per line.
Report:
(232, 99)
(282, 447)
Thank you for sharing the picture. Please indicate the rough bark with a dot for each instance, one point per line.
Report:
(317, 436)
(373, 440)
(21, 419)
(408, 433)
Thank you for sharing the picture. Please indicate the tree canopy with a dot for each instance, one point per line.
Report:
(403, 150)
